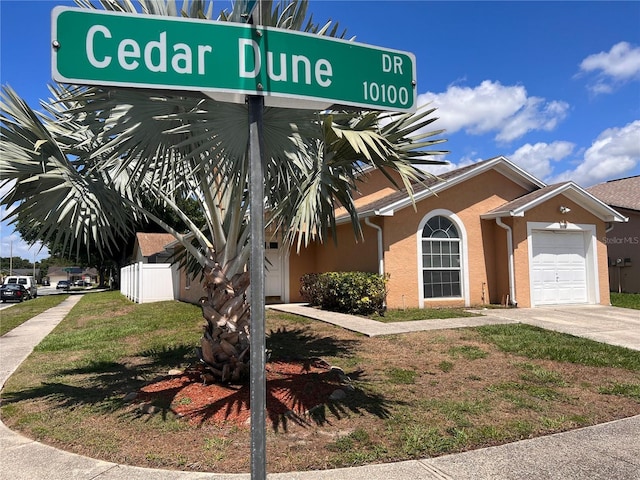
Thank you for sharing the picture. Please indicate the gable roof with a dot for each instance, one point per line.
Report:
(153, 243)
(433, 185)
(539, 193)
(622, 193)
(519, 206)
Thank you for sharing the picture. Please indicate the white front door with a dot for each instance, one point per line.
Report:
(559, 268)
(273, 285)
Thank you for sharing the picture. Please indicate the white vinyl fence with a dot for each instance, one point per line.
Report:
(147, 282)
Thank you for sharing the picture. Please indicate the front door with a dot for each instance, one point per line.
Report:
(273, 285)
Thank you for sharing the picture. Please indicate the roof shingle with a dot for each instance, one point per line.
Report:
(623, 193)
(153, 243)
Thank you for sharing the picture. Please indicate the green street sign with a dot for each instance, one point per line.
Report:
(228, 61)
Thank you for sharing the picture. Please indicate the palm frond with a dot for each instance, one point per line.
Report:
(51, 195)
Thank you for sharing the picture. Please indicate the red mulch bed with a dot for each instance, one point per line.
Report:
(293, 388)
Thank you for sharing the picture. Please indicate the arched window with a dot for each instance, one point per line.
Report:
(440, 259)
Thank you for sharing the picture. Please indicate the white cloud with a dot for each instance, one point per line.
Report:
(621, 62)
(613, 154)
(537, 159)
(10, 240)
(618, 65)
(535, 115)
(493, 107)
(12, 244)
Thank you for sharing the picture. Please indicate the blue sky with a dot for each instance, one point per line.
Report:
(553, 86)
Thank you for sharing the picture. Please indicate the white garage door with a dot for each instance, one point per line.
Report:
(559, 270)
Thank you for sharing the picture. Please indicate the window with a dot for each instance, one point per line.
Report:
(440, 258)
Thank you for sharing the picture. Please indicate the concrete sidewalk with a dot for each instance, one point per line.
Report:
(607, 451)
(18, 344)
(372, 328)
(605, 324)
(612, 325)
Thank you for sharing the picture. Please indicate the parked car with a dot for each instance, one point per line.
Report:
(63, 284)
(15, 292)
(27, 281)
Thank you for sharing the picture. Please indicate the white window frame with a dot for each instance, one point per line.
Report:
(464, 258)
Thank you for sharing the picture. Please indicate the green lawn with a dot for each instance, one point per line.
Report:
(626, 300)
(408, 396)
(413, 314)
(16, 315)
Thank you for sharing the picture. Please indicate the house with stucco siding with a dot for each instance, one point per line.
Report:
(487, 233)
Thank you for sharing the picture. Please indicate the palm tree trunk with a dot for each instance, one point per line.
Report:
(225, 341)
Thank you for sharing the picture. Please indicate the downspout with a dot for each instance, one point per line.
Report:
(368, 222)
(512, 281)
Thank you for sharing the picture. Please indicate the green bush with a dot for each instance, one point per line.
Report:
(357, 293)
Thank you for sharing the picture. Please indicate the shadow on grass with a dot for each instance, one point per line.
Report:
(300, 344)
(304, 398)
(103, 385)
(300, 394)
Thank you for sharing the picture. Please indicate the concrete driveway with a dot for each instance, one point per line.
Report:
(613, 325)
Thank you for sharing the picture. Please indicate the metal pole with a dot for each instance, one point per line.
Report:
(256, 265)
(258, 382)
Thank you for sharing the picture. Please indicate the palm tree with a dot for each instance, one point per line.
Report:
(90, 165)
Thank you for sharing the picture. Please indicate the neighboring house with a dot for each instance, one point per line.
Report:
(72, 273)
(623, 240)
(486, 233)
(151, 277)
(150, 247)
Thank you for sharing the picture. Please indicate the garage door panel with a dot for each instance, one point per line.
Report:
(559, 273)
(570, 294)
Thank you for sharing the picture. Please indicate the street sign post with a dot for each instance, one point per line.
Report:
(247, 7)
(227, 59)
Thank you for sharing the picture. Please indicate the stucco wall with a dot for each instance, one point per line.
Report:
(468, 201)
(193, 292)
(300, 263)
(498, 276)
(486, 250)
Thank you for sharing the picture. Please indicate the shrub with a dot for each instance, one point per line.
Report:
(357, 293)
(310, 289)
